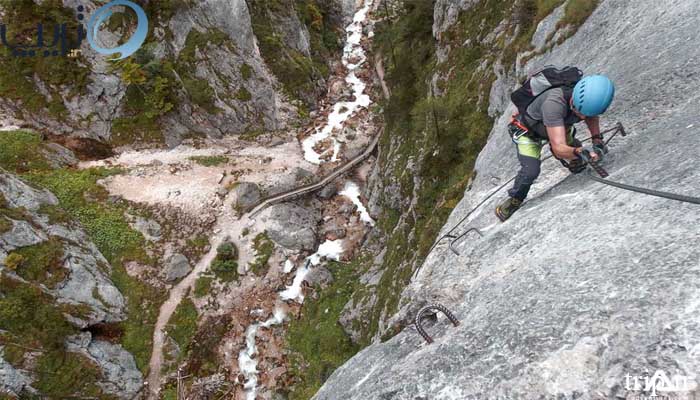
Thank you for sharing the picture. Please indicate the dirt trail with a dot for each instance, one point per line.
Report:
(229, 226)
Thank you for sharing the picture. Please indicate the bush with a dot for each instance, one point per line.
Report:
(225, 265)
(202, 286)
(263, 251)
(209, 161)
(13, 261)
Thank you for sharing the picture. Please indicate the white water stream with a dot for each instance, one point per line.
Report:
(353, 58)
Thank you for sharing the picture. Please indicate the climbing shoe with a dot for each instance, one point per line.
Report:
(507, 208)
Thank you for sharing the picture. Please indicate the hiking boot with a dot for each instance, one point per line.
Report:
(507, 208)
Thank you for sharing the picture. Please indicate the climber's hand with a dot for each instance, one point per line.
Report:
(589, 154)
(599, 144)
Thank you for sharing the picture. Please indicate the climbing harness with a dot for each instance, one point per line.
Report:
(422, 313)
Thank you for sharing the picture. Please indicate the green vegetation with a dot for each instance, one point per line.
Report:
(41, 263)
(210, 161)
(60, 374)
(21, 151)
(243, 94)
(63, 374)
(225, 264)
(104, 222)
(17, 73)
(5, 225)
(246, 71)
(297, 72)
(263, 251)
(84, 200)
(183, 324)
(317, 341)
(202, 286)
(577, 12)
(203, 355)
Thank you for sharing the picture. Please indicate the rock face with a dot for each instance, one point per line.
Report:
(247, 195)
(224, 85)
(121, 377)
(86, 284)
(586, 283)
(12, 381)
(86, 293)
(293, 226)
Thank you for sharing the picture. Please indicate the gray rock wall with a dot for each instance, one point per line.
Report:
(87, 285)
(586, 283)
(92, 112)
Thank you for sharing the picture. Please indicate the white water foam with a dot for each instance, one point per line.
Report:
(247, 364)
(331, 249)
(352, 191)
(344, 109)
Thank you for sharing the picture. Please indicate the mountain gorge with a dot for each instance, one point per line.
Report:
(163, 232)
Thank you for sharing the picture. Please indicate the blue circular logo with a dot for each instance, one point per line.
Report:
(103, 13)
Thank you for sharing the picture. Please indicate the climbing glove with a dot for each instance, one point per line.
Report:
(599, 145)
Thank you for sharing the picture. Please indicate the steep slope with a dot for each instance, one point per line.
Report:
(55, 287)
(207, 68)
(587, 284)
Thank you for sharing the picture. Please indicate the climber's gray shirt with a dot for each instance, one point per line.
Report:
(550, 109)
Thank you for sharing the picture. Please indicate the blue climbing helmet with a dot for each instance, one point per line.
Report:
(593, 95)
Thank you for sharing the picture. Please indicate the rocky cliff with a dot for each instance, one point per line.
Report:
(207, 68)
(587, 288)
(55, 283)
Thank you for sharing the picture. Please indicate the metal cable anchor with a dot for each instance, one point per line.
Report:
(428, 308)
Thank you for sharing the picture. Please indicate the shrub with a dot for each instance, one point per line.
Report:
(263, 251)
(13, 261)
(209, 161)
(225, 264)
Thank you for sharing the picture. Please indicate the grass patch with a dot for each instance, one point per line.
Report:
(577, 12)
(243, 94)
(202, 286)
(57, 72)
(246, 71)
(21, 151)
(5, 225)
(263, 251)
(31, 319)
(225, 264)
(41, 263)
(210, 161)
(183, 324)
(84, 200)
(317, 341)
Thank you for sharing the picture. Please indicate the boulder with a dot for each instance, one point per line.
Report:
(13, 381)
(176, 266)
(120, 375)
(293, 226)
(149, 228)
(246, 194)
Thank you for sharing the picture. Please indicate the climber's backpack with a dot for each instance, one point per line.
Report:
(539, 82)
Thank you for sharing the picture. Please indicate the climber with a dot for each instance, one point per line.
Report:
(550, 102)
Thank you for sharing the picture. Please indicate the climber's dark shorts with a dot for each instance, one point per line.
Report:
(529, 153)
